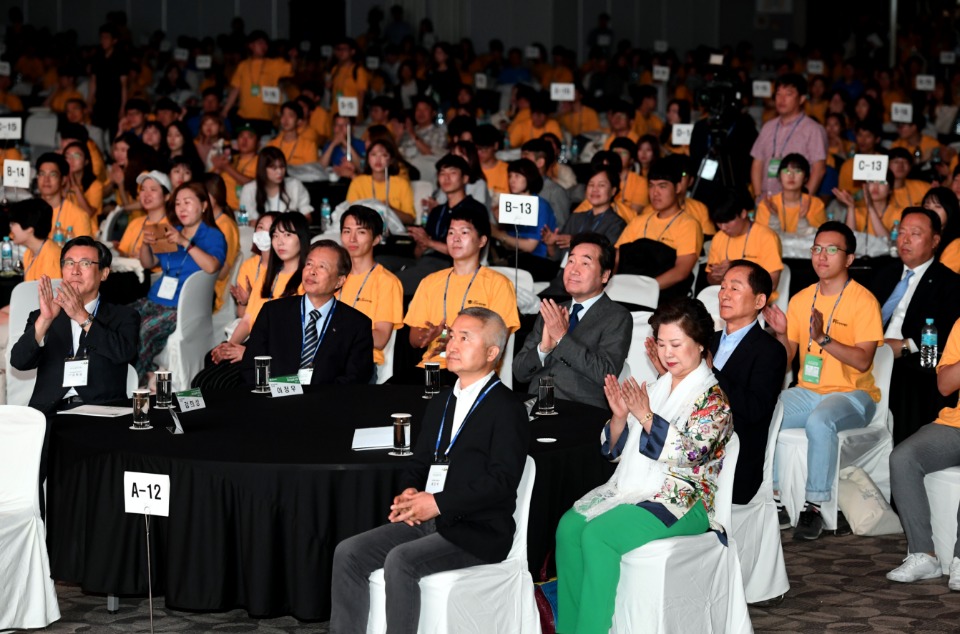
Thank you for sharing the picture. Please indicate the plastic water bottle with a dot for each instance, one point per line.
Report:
(440, 117)
(928, 345)
(58, 236)
(70, 235)
(894, 232)
(242, 217)
(325, 214)
(574, 150)
(6, 257)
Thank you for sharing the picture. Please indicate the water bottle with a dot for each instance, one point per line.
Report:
(574, 150)
(70, 235)
(242, 218)
(564, 155)
(928, 345)
(325, 214)
(506, 141)
(440, 119)
(6, 257)
(58, 236)
(894, 232)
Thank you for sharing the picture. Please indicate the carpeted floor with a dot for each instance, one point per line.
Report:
(837, 586)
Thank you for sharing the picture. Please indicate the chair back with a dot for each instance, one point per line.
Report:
(639, 290)
(40, 132)
(710, 297)
(421, 189)
(527, 301)
(882, 372)
(506, 362)
(21, 440)
(772, 434)
(23, 301)
(108, 224)
(228, 310)
(133, 381)
(783, 290)
(723, 501)
(637, 364)
(194, 330)
(521, 514)
(385, 371)
(246, 242)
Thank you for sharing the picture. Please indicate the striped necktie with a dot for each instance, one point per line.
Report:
(310, 340)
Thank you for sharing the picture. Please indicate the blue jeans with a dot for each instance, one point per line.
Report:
(822, 416)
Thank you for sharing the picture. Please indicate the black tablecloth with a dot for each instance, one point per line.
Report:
(262, 490)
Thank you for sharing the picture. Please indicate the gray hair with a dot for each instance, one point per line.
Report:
(495, 330)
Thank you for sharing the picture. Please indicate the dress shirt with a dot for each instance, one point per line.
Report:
(324, 311)
(895, 327)
(76, 330)
(466, 397)
(729, 343)
(583, 312)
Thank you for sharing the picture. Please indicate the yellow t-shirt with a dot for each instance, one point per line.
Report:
(488, 290)
(950, 257)
(817, 110)
(379, 297)
(790, 215)
(632, 135)
(647, 125)
(633, 193)
(302, 150)
(11, 101)
(321, 122)
(10, 154)
(94, 198)
(250, 271)
(132, 238)
(758, 244)
(579, 122)
(344, 85)
(910, 195)
(856, 319)
(950, 416)
(256, 301)
(681, 231)
(96, 162)
(247, 167)
(498, 180)
(524, 131)
(926, 147)
(60, 98)
(250, 78)
(401, 194)
(700, 213)
(228, 227)
(68, 214)
(46, 262)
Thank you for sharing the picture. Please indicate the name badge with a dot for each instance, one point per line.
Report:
(709, 169)
(773, 168)
(271, 95)
(168, 287)
(812, 364)
(436, 478)
(254, 90)
(305, 375)
(75, 372)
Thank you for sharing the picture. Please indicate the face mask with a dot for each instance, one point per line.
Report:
(262, 240)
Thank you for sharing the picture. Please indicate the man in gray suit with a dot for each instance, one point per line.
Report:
(579, 345)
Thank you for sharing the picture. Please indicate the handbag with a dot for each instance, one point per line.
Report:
(545, 593)
(864, 506)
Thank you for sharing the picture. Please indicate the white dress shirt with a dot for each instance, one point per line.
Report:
(75, 331)
(466, 397)
(895, 327)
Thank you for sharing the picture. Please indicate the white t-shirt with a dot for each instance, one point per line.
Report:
(299, 199)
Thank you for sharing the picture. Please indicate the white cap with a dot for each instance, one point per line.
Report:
(158, 176)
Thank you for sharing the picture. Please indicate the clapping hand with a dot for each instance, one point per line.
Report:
(653, 353)
(775, 319)
(816, 325)
(611, 389)
(69, 300)
(49, 308)
(637, 400)
(556, 322)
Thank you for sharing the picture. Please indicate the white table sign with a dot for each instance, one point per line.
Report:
(480, 81)
(815, 67)
(660, 46)
(901, 112)
(926, 82)
(780, 44)
(948, 58)
(204, 62)
(181, 54)
(146, 493)
(681, 133)
(285, 386)
(870, 167)
(16, 173)
(519, 210)
(762, 88)
(562, 92)
(661, 73)
(347, 106)
(11, 128)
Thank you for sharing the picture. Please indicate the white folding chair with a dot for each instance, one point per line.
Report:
(40, 132)
(866, 447)
(527, 301)
(421, 189)
(186, 347)
(133, 381)
(385, 371)
(23, 301)
(228, 310)
(943, 490)
(633, 289)
(480, 599)
(246, 241)
(710, 297)
(686, 584)
(783, 290)
(637, 364)
(506, 362)
(756, 530)
(106, 227)
(28, 598)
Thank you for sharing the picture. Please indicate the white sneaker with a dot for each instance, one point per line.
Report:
(955, 574)
(919, 566)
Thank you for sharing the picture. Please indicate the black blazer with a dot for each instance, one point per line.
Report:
(111, 345)
(937, 296)
(752, 379)
(344, 356)
(486, 464)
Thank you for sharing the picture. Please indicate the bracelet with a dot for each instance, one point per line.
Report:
(190, 245)
(647, 417)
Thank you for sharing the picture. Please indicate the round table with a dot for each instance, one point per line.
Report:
(262, 491)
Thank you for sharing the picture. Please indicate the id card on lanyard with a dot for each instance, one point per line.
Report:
(76, 368)
(169, 283)
(773, 167)
(813, 363)
(437, 476)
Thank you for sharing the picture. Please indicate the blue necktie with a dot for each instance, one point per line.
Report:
(898, 292)
(310, 340)
(574, 316)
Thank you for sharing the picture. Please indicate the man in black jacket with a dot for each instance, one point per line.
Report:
(80, 346)
(459, 493)
(909, 293)
(314, 335)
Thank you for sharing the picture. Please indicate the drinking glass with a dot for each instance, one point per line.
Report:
(401, 435)
(546, 397)
(141, 410)
(262, 374)
(164, 390)
(431, 379)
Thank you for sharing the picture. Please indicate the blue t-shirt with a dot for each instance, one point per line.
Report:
(180, 265)
(545, 218)
(339, 155)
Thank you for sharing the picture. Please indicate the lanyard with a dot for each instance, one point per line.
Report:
(83, 335)
(436, 227)
(34, 261)
(777, 131)
(186, 254)
(303, 324)
(58, 212)
(830, 321)
(293, 151)
(597, 219)
(447, 288)
(443, 422)
(726, 253)
(665, 229)
(362, 284)
(263, 62)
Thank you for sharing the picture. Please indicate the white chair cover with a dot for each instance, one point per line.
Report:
(783, 290)
(23, 301)
(710, 297)
(637, 364)
(421, 189)
(106, 227)
(392, 225)
(228, 310)
(40, 132)
(186, 347)
(385, 371)
(133, 381)
(756, 530)
(686, 584)
(28, 598)
(868, 447)
(506, 363)
(481, 599)
(634, 289)
(527, 301)
(943, 490)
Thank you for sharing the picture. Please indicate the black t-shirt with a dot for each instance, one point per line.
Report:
(438, 222)
(108, 71)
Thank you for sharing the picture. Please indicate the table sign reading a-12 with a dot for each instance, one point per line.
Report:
(681, 133)
(11, 128)
(16, 173)
(190, 400)
(901, 112)
(146, 493)
(561, 92)
(870, 167)
(285, 386)
(347, 106)
(519, 210)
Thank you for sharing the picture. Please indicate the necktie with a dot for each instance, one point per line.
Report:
(898, 292)
(310, 340)
(574, 316)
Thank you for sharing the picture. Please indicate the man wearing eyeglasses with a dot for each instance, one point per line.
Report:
(835, 326)
(79, 345)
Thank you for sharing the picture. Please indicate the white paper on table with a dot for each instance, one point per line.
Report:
(372, 438)
(104, 411)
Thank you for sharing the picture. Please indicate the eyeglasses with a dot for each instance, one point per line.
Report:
(84, 264)
(792, 171)
(831, 250)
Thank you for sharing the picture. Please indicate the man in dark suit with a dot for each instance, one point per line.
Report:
(79, 345)
(909, 293)
(581, 345)
(314, 335)
(459, 492)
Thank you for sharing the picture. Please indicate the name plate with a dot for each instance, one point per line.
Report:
(190, 400)
(285, 386)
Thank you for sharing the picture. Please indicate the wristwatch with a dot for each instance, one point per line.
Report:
(87, 321)
(823, 342)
